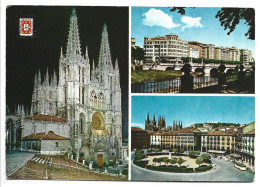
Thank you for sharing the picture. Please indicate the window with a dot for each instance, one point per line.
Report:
(57, 144)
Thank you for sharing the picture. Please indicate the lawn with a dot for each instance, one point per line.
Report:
(139, 76)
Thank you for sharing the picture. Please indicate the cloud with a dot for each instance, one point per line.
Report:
(156, 17)
(190, 22)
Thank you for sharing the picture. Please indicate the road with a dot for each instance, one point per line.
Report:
(15, 160)
(225, 171)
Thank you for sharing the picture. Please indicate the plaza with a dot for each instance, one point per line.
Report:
(225, 171)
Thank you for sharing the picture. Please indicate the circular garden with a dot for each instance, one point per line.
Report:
(176, 161)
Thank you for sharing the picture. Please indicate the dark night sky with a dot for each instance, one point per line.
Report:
(25, 55)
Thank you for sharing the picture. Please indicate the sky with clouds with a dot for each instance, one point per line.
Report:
(198, 24)
(193, 109)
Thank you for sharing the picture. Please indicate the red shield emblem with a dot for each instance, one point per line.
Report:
(26, 26)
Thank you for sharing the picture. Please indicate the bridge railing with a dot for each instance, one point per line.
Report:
(173, 86)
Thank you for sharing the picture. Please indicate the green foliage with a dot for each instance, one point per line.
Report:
(206, 157)
(138, 163)
(139, 154)
(125, 172)
(191, 152)
(137, 53)
(139, 76)
(166, 160)
(94, 164)
(180, 161)
(230, 17)
(199, 160)
(181, 150)
(176, 150)
(173, 161)
(207, 61)
(154, 150)
(203, 168)
(174, 169)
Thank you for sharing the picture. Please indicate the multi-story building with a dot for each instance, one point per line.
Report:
(140, 139)
(234, 54)
(194, 49)
(246, 56)
(169, 47)
(225, 54)
(133, 43)
(219, 141)
(245, 145)
(210, 51)
(184, 138)
(218, 53)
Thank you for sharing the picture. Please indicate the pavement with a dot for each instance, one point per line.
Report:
(224, 172)
(16, 160)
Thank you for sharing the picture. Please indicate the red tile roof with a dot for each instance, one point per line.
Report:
(185, 130)
(44, 136)
(46, 118)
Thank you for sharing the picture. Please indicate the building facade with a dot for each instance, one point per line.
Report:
(169, 47)
(140, 139)
(219, 141)
(88, 101)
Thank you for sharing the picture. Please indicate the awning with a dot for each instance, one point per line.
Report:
(215, 151)
(235, 156)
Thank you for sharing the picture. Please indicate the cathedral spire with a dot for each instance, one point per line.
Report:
(73, 45)
(46, 81)
(54, 79)
(39, 78)
(35, 80)
(104, 61)
(61, 53)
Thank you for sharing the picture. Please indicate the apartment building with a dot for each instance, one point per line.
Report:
(169, 47)
(194, 49)
(184, 138)
(140, 139)
(234, 54)
(219, 141)
(246, 56)
(210, 51)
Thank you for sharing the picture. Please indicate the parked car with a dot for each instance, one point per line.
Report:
(240, 166)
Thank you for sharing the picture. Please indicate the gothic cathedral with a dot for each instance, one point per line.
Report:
(89, 99)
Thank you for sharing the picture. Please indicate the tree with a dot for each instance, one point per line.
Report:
(155, 160)
(199, 160)
(230, 18)
(137, 53)
(173, 161)
(166, 160)
(206, 157)
(139, 154)
(180, 161)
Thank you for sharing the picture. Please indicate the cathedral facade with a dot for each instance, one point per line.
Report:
(87, 98)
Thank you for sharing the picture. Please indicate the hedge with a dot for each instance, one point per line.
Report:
(204, 168)
(170, 169)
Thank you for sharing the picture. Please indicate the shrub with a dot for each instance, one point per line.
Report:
(204, 168)
(125, 172)
(206, 157)
(199, 160)
(170, 169)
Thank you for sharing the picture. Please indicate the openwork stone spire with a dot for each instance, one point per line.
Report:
(104, 61)
(73, 45)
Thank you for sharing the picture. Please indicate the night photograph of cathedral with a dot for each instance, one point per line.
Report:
(67, 91)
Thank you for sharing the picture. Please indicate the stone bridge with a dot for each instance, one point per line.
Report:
(210, 68)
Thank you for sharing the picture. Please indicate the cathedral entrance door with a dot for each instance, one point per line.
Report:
(100, 160)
